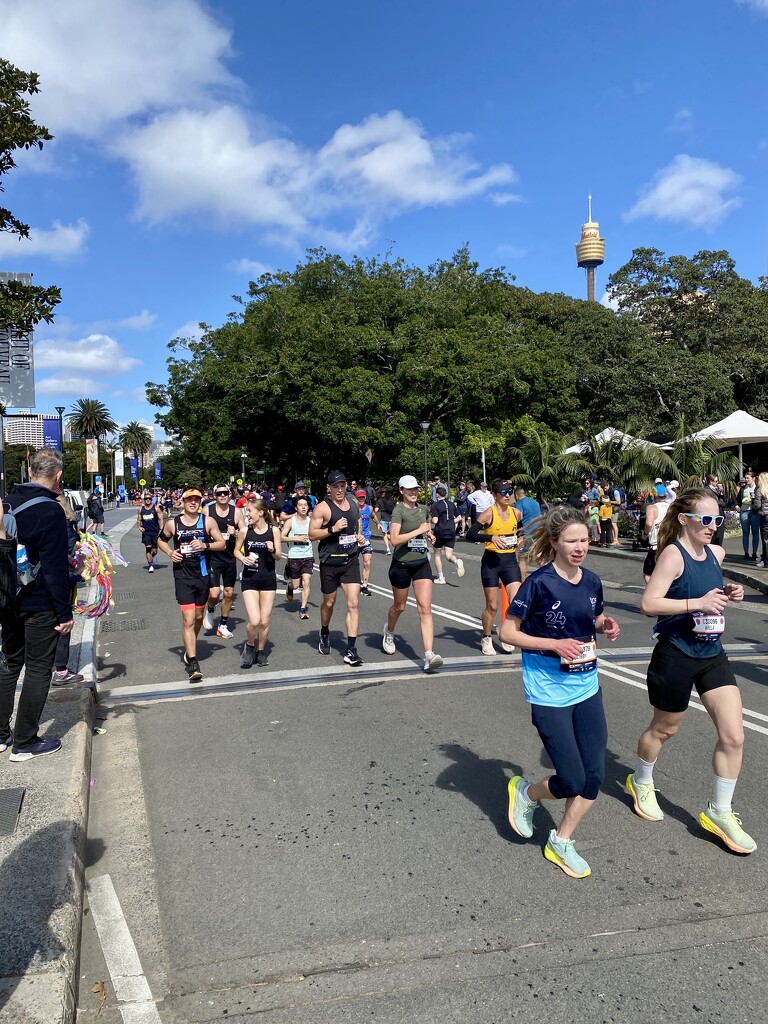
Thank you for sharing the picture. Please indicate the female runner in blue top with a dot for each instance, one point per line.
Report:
(686, 591)
(553, 619)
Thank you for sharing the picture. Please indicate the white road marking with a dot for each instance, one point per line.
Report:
(122, 959)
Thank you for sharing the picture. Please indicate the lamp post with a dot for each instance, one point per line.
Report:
(448, 464)
(425, 427)
(60, 410)
(242, 466)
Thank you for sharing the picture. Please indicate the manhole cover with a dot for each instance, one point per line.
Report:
(124, 595)
(122, 625)
(10, 808)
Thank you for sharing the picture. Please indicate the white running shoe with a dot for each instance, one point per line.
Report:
(150, 568)
(440, 578)
(459, 567)
(486, 645)
(432, 661)
(207, 619)
(225, 632)
(507, 648)
(388, 642)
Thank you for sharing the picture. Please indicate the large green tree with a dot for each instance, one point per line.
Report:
(89, 417)
(21, 305)
(137, 439)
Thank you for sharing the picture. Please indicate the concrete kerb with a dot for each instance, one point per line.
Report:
(42, 867)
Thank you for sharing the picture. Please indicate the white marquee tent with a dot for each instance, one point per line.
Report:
(737, 429)
(611, 434)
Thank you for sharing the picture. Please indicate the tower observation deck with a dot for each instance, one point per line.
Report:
(590, 251)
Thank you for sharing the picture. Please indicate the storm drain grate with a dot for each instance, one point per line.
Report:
(124, 595)
(122, 625)
(10, 809)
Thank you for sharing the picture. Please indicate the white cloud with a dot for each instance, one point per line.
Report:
(60, 243)
(80, 386)
(101, 63)
(211, 163)
(140, 322)
(504, 198)
(191, 329)
(689, 191)
(97, 354)
(610, 302)
(761, 6)
(140, 395)
(250, 268)
(681, 122)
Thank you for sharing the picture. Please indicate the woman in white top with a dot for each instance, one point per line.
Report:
(300, 554)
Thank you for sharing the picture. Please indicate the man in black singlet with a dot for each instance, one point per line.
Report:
(194, 535)
(149, 520)
(335, 523)
(223, 563)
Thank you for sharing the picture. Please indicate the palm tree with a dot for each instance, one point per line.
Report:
(136, 438)
(631, 463)
(91, 418)
(535, 465)
(693, 459)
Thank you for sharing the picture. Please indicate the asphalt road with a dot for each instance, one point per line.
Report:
(310, 842)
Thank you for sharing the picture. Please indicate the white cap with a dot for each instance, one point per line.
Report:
(408, 481)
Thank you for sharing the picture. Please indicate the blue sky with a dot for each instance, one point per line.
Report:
(198, 145)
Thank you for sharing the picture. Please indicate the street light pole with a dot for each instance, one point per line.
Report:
(60, 410)
(425, 428)
(448, 464)
(242, 464)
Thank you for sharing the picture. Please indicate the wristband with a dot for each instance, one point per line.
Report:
(330, 528)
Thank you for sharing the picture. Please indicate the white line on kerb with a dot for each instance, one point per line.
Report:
(131, 987)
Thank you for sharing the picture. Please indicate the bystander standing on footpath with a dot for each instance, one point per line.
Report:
(42, 610)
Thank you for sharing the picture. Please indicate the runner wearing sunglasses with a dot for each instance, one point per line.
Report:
(497, 526)
(229, 520)
(687, 594)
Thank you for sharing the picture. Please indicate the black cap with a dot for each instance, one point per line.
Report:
(336, 477)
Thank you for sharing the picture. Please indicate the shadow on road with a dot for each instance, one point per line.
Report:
(481, 780)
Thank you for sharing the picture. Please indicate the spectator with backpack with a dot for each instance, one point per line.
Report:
(33, 618)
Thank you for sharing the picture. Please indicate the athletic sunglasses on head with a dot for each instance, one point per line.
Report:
(706, 520)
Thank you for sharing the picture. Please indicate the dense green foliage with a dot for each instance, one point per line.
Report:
(336, 363)
(21, 306)
(91, 418)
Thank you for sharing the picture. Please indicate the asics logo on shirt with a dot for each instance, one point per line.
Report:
(555, 606)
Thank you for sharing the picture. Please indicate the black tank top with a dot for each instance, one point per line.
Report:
(256, 545)
(223, 522)
(149, 520)
(339, 548)
(194, 563)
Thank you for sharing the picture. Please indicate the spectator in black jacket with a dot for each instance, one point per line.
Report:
(42, 611)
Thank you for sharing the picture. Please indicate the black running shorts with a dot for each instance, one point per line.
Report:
(223, 573)
(402, 574)
(672, 675)
(333, 576)
(191, 591)
(496, 569)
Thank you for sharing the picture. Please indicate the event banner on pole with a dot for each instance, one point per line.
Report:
(158, 473)
(134, 469)
(51, 432)
(17, 361)
(91, 455)
(119, 462)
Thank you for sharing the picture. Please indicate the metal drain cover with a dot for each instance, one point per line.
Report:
(122, 625)
(10, 808)
(125, 595)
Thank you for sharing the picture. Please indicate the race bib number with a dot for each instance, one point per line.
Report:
(510, 542)
(417, 544)
(584, 661)
(708, 627)
(347, 541)
(187, 549)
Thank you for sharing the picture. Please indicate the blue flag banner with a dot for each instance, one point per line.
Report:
(158, 473)
(134, 469)
(51, 432)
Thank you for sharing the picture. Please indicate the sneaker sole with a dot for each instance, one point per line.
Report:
(553, 857)
(224, 636)
(630, 791)
(709, 826)
(195, 677)
(31, 757)
(511, 790)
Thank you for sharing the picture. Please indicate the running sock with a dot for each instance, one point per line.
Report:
(722, 795)
(351, 642)
(644, 772)
(211, 608)
(324, 631)
(525, 794)
(224, 620)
